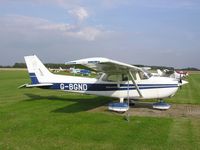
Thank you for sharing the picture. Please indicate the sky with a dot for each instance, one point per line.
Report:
(150, 32)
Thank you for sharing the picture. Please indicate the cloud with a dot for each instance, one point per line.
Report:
(56, 27)
(84, 37)
(88, 33)
(25, 35)
(27, 25)
(79, 13)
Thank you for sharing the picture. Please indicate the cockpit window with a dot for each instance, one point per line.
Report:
(124, 77)
(112, 78)
(116, 77)
(99, 75)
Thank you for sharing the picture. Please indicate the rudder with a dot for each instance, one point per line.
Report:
(37, 71)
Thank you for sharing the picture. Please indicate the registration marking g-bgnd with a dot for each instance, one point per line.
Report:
(78, 86)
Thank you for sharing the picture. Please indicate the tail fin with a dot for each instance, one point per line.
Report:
(160, 73)
(37, 71)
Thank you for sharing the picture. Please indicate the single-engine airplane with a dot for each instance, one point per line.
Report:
(117, 79)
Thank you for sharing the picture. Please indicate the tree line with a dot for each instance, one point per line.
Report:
(56, 66)
(48, 65)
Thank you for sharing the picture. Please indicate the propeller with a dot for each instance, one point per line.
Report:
(180, 82)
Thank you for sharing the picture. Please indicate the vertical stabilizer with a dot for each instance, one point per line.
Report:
(37, 71)
(160, 73)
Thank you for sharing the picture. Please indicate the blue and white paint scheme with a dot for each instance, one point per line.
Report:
(116, 80)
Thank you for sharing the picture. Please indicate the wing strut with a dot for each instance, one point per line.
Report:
(133, 80)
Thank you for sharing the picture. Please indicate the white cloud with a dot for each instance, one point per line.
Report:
(54, 26)
(88, 33)
(79, 13)
(27, 25)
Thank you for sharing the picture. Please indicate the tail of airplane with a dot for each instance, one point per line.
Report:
(160, 73)
(37, 71)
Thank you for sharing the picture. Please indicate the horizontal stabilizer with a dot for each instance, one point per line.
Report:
(35, 85)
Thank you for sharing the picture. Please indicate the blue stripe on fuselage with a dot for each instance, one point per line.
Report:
(106, 87)
(34, 79)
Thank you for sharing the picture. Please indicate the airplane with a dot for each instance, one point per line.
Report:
(57, 70)
(179, 75)
(74, 71)
(158, 73)
(117, 80)
(85, 72)
(184, 73)
(80, 71)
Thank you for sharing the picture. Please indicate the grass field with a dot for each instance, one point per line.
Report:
(44, 119)
(190, 93)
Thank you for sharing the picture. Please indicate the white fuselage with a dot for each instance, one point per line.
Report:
(110, 84)
(152, 88)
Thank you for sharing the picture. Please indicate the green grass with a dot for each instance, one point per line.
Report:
(189, 93)
(45, 119)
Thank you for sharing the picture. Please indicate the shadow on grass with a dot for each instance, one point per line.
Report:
(141, 104)
(79, 104)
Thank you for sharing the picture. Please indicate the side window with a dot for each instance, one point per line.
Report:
(112, 78)
(125, 77)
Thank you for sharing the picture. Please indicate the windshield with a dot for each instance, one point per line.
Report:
(99, 75)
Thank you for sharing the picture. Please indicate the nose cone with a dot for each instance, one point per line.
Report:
(180, 82)
(183, 83)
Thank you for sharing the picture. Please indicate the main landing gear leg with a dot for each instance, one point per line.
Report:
(161, 105)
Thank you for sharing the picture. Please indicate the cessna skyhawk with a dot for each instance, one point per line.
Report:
(117, 79)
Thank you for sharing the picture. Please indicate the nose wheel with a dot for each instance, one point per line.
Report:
(161, 105)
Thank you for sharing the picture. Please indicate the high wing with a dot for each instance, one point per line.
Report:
(109, 66)
(105, 65)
